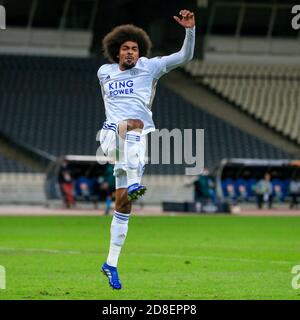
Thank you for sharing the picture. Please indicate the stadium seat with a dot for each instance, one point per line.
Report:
(269, 93)
(10, 165)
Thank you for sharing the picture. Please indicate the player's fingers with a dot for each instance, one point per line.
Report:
(177, 19)
(186, 14)
(191, 15)
(183, 12)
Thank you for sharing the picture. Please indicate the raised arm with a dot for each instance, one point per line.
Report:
(186, 53)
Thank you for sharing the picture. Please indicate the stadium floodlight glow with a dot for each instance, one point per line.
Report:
(2, 18)
(202, 3)
(296, 18)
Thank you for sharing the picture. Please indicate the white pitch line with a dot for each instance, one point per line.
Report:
(159, 255)
(39, 250)
(199, 257)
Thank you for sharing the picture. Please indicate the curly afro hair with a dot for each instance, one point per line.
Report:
(112, 41)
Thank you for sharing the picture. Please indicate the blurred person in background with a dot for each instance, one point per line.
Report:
(264, 190)
(66, 185)
(105, 188)
(204, 188)
(83, 187)
(294, 192)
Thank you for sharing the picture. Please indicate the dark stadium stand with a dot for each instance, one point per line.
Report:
(269, 93)
(55, 105)
(9, 165)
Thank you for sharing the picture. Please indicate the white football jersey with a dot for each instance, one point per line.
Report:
(129, 94)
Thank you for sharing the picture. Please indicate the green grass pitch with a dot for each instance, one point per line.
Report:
(168, 257)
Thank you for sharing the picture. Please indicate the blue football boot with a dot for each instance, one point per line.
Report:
(135, 191)
(112, 274)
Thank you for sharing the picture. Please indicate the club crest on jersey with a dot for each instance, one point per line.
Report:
(134, 72)
(120, 88)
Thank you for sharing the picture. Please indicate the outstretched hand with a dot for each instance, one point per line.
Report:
(187, 19)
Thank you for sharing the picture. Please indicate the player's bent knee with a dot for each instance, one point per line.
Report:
(133, 124)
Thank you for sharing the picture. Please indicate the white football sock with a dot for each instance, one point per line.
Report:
(132, 156)
(118, 232)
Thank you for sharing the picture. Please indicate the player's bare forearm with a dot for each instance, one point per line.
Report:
(187, 19)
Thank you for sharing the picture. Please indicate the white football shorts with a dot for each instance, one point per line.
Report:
(112, 146)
